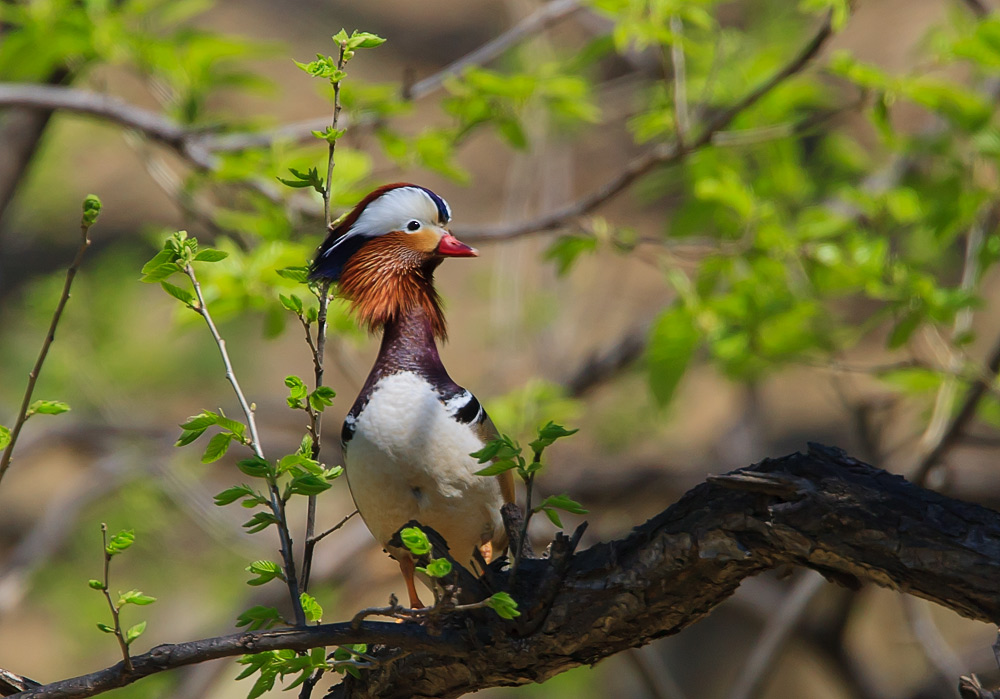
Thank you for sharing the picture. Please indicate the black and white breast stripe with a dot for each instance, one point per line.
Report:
(460, 404)
(465, 407)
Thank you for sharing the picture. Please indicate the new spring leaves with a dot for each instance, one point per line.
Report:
(505, 453)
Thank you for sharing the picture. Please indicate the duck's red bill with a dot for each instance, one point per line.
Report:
(450, 246)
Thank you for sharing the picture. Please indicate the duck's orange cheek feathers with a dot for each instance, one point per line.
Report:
(425, 242)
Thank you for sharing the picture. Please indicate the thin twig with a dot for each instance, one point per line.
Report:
(681, 123)
(334, 528)
(775, 635)
(50, 337)
(938, 439)
(535, 23)
(333, 140)
(122, 643)
(276, 502)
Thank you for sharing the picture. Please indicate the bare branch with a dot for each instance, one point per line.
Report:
(663, 154)
(541, 19)
(681, 121)
(50, 337)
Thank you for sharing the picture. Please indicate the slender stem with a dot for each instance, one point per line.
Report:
(333, 143)
(50, 337)
(529, 484)
(316, 430)
(331, 530)
(276, 503)
(680, 79)
(111, 605)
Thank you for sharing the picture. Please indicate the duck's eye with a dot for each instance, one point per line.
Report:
(413, 225)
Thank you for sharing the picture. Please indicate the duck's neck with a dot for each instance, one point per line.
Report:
(408, 344)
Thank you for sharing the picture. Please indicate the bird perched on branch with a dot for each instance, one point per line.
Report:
(408, 437)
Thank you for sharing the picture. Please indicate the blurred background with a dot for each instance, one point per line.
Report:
(817, 266)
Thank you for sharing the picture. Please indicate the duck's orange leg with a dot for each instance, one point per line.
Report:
(407, 566)
(487, 551)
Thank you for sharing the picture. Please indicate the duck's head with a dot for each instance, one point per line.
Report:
(384, 252)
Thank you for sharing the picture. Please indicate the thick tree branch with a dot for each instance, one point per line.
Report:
(167, 657)
(821, 510)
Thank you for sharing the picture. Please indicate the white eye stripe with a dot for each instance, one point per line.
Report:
(394, 210)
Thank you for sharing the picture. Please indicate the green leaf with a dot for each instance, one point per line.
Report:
(504, 605)
(48, 407)
(364, 40)
(158, 274)
(188, 436)
(291, 302)
(905, 328)
(255, 467)
(91, 210)
(672, 342)
(96, 585)
(330, 134)
(259, 617)
(259, 522)
(321, 398)
(210, 255)
(134, 632)
(161, 258)
(265, 571)
(296, 274)
(312, 608)
(549, 434)
(231, 495)
(217, 447)
(562, 502)
(497, 467)
(438, 568)
(120, 541)
(5, 437)
(553, 516)
(308, 484)
(204, 419)
(297, 391)
(234, 426)
(415, 541)
(135, 597)
(566, 249)
(502, 447)
(105, 628)
(178, 293)
(302, 180)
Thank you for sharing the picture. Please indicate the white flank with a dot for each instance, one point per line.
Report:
(409, 459)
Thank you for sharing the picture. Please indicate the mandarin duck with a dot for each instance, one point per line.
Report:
(407, 439)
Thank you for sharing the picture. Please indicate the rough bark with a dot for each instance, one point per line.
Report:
(822, 510)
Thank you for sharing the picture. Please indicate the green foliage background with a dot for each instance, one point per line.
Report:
(822, 267)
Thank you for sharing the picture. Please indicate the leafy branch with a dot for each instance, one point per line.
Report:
(506, 454)
(118, 543)
(179, 254)
(8, 438)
